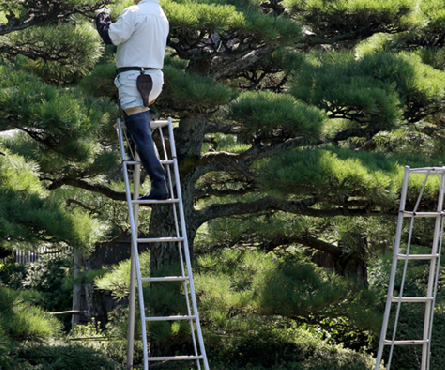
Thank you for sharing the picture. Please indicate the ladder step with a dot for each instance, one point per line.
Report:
(412, 299)
(163, 161)
(165, 279)
(170, 318)
(175, 358)
(422, 214)
(160, 123)
(389, 342)
(160, 239)
(150, 201)
(418, 256)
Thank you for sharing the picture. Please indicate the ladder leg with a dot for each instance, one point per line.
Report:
(433, 279)
(433, 274)
(393, 269)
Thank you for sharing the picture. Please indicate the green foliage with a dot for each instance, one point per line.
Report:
(235, 286)
(49, 276)
(269, 115)
(68, 51)
(58, 355)
(389, 16)
(372, 89)
(118, 279)
(100, 82)
(333, 173)
(13, 275)
(187, 16)
(192, 93)
(287, 349)
(22, 320)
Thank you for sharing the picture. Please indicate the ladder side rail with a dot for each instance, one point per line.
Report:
(393, 269)
(134, 255)
(186, 249)
(135, 251)
(178, 233)
(405, 268)
(435, 294)
(434, 274)
(132, 298)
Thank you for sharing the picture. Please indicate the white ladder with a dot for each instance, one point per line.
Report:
(434, 267)
(186, 277)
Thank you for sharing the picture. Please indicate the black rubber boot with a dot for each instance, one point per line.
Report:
(138, 125)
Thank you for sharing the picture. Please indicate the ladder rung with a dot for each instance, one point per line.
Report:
(422, 214)
(175, 358)
(418, 256)
(160, 239)
(386, 342)
(412, 299)
(165, 279)
(163, 161)
(170, 318)
(150, 201)
(160, 123)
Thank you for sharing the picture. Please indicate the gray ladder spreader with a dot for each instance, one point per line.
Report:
(186, 277)
(434, 266)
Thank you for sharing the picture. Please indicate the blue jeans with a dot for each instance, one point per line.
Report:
(138, 125)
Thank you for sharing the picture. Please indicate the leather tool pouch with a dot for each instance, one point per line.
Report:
(144, 85)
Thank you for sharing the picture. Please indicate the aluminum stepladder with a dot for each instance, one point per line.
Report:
(434, 268)
(174, 187)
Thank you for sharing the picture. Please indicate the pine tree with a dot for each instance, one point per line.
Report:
(295, 119)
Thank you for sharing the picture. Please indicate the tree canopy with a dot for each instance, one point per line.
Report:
(287, 113)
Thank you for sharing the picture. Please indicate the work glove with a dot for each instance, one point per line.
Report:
(102, 14)
(107, 11)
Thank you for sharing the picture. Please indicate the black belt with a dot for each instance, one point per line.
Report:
(120, 70)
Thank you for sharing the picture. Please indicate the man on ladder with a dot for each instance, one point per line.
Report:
(140, 35)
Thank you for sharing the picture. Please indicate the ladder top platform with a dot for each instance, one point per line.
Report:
(427, 170)
(153, 124)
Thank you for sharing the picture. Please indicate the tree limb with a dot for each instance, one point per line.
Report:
(37, 12)
(270, 203)
(82, 184)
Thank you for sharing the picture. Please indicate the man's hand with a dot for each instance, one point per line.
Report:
(102, 23)
(106, 11)
(103, 12)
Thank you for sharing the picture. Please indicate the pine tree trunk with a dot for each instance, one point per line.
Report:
(95, 298)
(352, 263)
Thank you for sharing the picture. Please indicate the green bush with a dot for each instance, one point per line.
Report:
(286, 349)
(22, 320)
(13, 275)
(57, 356)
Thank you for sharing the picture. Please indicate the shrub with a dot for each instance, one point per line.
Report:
(21, 320)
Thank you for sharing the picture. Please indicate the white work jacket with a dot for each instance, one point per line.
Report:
(140, 34)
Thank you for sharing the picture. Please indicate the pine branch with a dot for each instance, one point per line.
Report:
(231, 67)
(82, 184)
(213, 128)
(305, 240)
(270, 203)
(220, 161)
(38, 12)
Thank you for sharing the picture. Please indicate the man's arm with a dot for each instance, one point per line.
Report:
(103, 22)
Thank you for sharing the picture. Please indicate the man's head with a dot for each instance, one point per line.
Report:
(136, 2)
